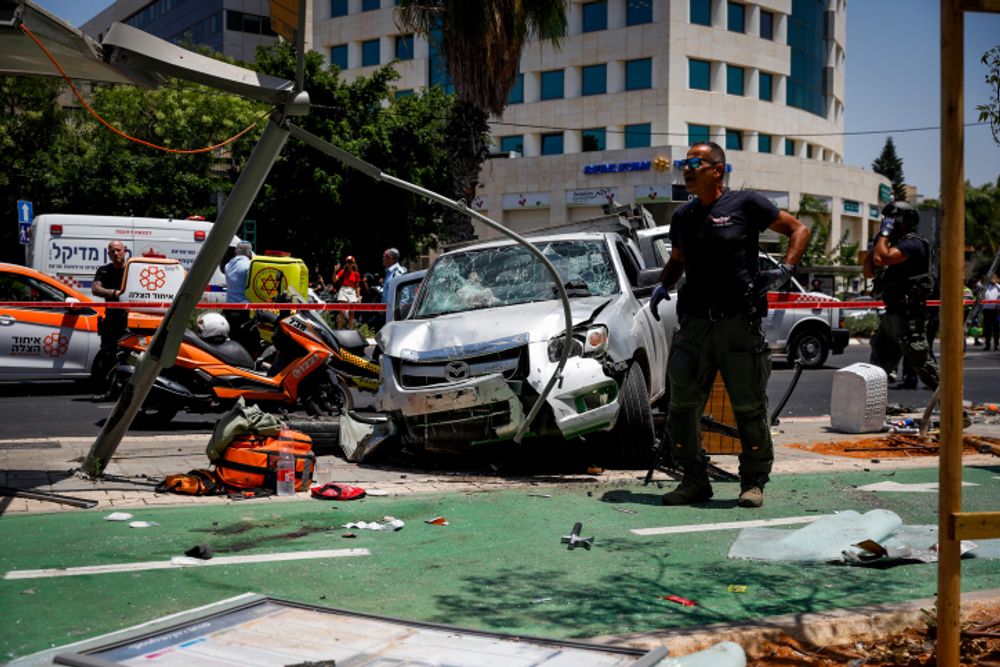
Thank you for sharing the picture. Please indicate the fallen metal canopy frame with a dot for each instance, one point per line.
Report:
(128, 55)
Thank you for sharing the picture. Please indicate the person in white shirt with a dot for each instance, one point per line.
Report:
(991, 325)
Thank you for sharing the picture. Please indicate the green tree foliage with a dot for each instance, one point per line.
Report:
(320, 209)
(31, 125)
(982, 219)
(991, 110)
(481, 43)
(813, 212)
(890, 165)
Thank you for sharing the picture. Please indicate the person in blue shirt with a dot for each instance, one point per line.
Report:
(237, 272)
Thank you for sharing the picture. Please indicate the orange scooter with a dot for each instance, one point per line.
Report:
(309, 365)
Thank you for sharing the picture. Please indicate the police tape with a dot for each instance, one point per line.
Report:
(143, 305)
(381, 308)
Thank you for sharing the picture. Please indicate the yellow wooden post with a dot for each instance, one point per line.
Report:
(952, 335)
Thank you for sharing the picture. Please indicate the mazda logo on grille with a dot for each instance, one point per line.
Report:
(457, 370)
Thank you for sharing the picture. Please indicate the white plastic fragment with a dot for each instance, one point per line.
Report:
(143, 524)
(118, 516)
(389, 523)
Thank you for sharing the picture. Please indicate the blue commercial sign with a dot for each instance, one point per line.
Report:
(612, 168)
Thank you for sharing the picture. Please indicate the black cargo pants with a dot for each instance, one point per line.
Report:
(734, 346)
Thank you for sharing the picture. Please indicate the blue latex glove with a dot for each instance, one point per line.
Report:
(661, 293)
(772, 279)
(887, 225)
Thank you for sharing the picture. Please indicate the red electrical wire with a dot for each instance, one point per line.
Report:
(183, 151)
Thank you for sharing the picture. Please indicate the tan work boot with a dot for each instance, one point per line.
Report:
(689, 491)
(751, 497)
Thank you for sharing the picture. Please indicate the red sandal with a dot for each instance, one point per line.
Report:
(334, 491)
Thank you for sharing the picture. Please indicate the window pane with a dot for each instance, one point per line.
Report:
(790, 147)
(437, 70)
(595, 16)
(766, 87)
(699, 74)
(369, 5)
(734, 140)
(234, 20)
(404, 47)
(809, 151)
(763, 143)
(701, 12)
(369, 52)
(552, 144)
(697, 134)
(405, 92)
(552, 85)
(338, 56)
(638, 12)
(517, 92)
(734, 80)
(766, 25)
(512, 142)
(594, 139)
(807, 42)
(338, 8)
(595, 78)
(737, 17)
(639, 74)
(251, 24)
(638, 135)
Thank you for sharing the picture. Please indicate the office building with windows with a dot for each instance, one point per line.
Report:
(232, 27)
(634, 83)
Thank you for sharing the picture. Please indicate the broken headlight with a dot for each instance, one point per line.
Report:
(589, 341)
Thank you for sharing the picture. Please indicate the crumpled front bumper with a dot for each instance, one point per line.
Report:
(585, 400)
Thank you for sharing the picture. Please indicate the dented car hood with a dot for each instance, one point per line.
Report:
(490, 329)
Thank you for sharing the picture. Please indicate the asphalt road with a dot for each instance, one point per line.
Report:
(64, 409)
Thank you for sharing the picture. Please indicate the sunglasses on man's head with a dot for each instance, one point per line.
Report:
(693, 162)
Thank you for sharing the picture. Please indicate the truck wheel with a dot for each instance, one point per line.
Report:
(810, 347)
(630, 443)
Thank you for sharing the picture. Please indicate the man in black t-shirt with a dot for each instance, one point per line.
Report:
(108, 286)
(714, 241)
(900, 261)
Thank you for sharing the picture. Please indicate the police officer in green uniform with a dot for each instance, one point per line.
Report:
(714, 241)
(901, 263)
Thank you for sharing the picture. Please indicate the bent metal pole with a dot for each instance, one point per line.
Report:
(163, 349)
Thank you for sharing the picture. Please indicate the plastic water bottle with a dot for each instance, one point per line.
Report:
(285, 473)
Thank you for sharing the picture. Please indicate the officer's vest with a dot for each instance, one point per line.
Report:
(898, 288)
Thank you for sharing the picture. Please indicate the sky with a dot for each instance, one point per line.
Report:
(893, 83)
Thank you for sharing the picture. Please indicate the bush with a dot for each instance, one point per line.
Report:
(862, 327)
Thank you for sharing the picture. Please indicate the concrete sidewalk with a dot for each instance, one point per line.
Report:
(141, 461)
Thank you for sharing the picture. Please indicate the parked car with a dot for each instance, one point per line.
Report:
(44, 343)
(807, 334)
(466, 363)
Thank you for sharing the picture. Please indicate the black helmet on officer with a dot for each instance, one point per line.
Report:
(904, 213)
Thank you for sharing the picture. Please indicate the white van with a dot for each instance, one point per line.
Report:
(72, 247)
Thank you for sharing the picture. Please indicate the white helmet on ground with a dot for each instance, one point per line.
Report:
(212, 327)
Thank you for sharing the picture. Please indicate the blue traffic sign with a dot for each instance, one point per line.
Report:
(25, 211)
(24, 232)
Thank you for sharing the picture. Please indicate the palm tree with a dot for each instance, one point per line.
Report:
(480, 42)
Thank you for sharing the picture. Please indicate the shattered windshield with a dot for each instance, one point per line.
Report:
(509, 275)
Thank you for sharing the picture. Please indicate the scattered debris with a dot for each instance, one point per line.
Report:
(29, 591)
(574, 540)
(377, 492)
(348, 535)
(335, 491)
(540, 495)
(118, 516)
(202, 551)
(736, 588)
(679, 600)
(897, 445)
(595, 470)
(143, 524)
(389, 523)
(541, 600)
(437, 521)
(624, 510)
(896, 487)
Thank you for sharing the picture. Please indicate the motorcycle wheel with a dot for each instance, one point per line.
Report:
(324, 397)
(157, 416)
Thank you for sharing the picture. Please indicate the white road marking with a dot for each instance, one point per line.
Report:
(168, 565)
(703, 527)
(925, 487)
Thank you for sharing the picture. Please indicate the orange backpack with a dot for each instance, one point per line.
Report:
(251, 461)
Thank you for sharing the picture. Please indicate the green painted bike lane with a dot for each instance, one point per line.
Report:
(498, 565)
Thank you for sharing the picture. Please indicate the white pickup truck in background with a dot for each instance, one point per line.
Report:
(809, 335)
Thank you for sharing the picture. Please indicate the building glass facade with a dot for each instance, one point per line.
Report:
(552, 143)
(516, 95)
(370, 52)
(734, 140)
(763, 143)
(638, 12)
(512, 142)
(736, 15)
(338, 56)
(553, 85)
(766, 24)
(699, 74)
(701, 12)
(338, 8)
(638, 135)
(594, 139)
(639, 74)
(735, 77)
(808, 51)
(595, 16)
(594, 80)
(697, 133)
(404, 47)
(766, 86)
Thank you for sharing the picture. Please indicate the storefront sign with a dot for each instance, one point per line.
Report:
(525, 200)
(873, 212)
(615, 168)
(851, 206)
(884, 193)
(480, 203)
(591, 197)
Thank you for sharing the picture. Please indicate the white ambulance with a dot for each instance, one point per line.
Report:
(72, 247)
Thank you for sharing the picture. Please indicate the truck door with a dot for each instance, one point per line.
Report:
(43, 343)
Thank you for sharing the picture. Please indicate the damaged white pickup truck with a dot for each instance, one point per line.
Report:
(485, 334)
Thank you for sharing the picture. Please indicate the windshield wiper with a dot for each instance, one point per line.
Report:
(574, 288)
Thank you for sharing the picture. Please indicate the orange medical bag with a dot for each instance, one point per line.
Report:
(251, 461)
